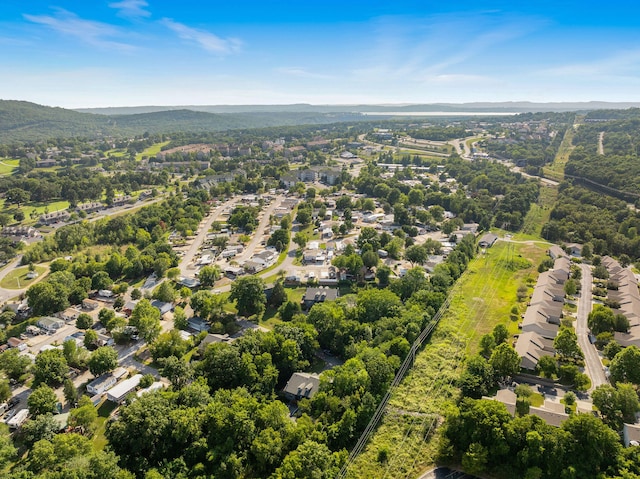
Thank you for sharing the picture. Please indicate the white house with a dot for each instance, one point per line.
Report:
(101, 384)
(120, 391)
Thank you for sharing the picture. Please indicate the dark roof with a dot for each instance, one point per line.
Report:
(318, 295)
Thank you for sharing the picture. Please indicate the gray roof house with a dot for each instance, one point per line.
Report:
(302, 385)
(487, 240)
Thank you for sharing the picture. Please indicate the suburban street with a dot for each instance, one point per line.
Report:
(6, 294)
(205, 226)
(257, 236)
(593, 365)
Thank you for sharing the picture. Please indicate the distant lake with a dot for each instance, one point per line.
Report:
(439, 113)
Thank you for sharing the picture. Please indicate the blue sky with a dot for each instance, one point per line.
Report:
(159, 52)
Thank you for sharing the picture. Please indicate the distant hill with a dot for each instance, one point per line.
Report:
(22, 121)
(506, 107)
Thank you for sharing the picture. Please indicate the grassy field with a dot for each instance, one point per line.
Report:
(482, 298)
(153, 150)
(539, 213)
(8, 166)
(555, 170)
(40, 208)
(17, 279)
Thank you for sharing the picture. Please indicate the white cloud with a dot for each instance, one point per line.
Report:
(207, 40)
(94, 33)
(303, 73)
(131, 8)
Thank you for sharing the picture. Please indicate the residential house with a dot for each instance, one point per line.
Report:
(627, 296)
(101, 384)
(302, 385)
(556, 251)
(90, 304)
(55, 217)
(506, 397)
(531, 346)
(318, 295)
(50, 324)
(198, 324)
(120, 391)
(163, 307)
(19, 344)
(213, 338)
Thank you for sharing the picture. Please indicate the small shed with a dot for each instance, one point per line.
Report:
(487, 240)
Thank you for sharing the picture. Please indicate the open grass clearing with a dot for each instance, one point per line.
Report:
(8, 166)
(152, 151)
(483, 298)
(17, 279)
(555, 170)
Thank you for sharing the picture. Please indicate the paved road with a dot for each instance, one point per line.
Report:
(187, 259)
(258, 234)
(593, 365)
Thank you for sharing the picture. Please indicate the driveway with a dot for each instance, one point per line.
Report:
(593, 365)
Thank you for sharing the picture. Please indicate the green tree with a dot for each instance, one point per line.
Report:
(169, 344)
(8, 451)
(90, 338)
(5, 390)
(248, 292)
(601, 319)
(566, 344)
(165, 292)
(289, 309)
(101, 280)
(383, 273)
(136, 294)
(300, 239)
(370, 259)
(42, 400)
(547, 366)
(85, 415)
(417, 254)
(500, 333)
(84, 321)
(147, 380)
(625, 366)
(310, 460)
(278, 295)
(208, 275)
(487, 344)
(147, 319)
(103, 360)
(50, 367)
(177, 370)
(505, 360)
(179, 318)
(70, 392)
(38, 428)
(14, 364)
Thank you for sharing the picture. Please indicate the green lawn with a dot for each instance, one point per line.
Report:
(153, 150)
(8, 166)
(17, 279)
(40, 208)
(104, 410)
(483, 298)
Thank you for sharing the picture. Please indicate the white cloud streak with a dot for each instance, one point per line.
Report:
(206, 40)
(88, 31)
(131, 8)
(303, 73)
